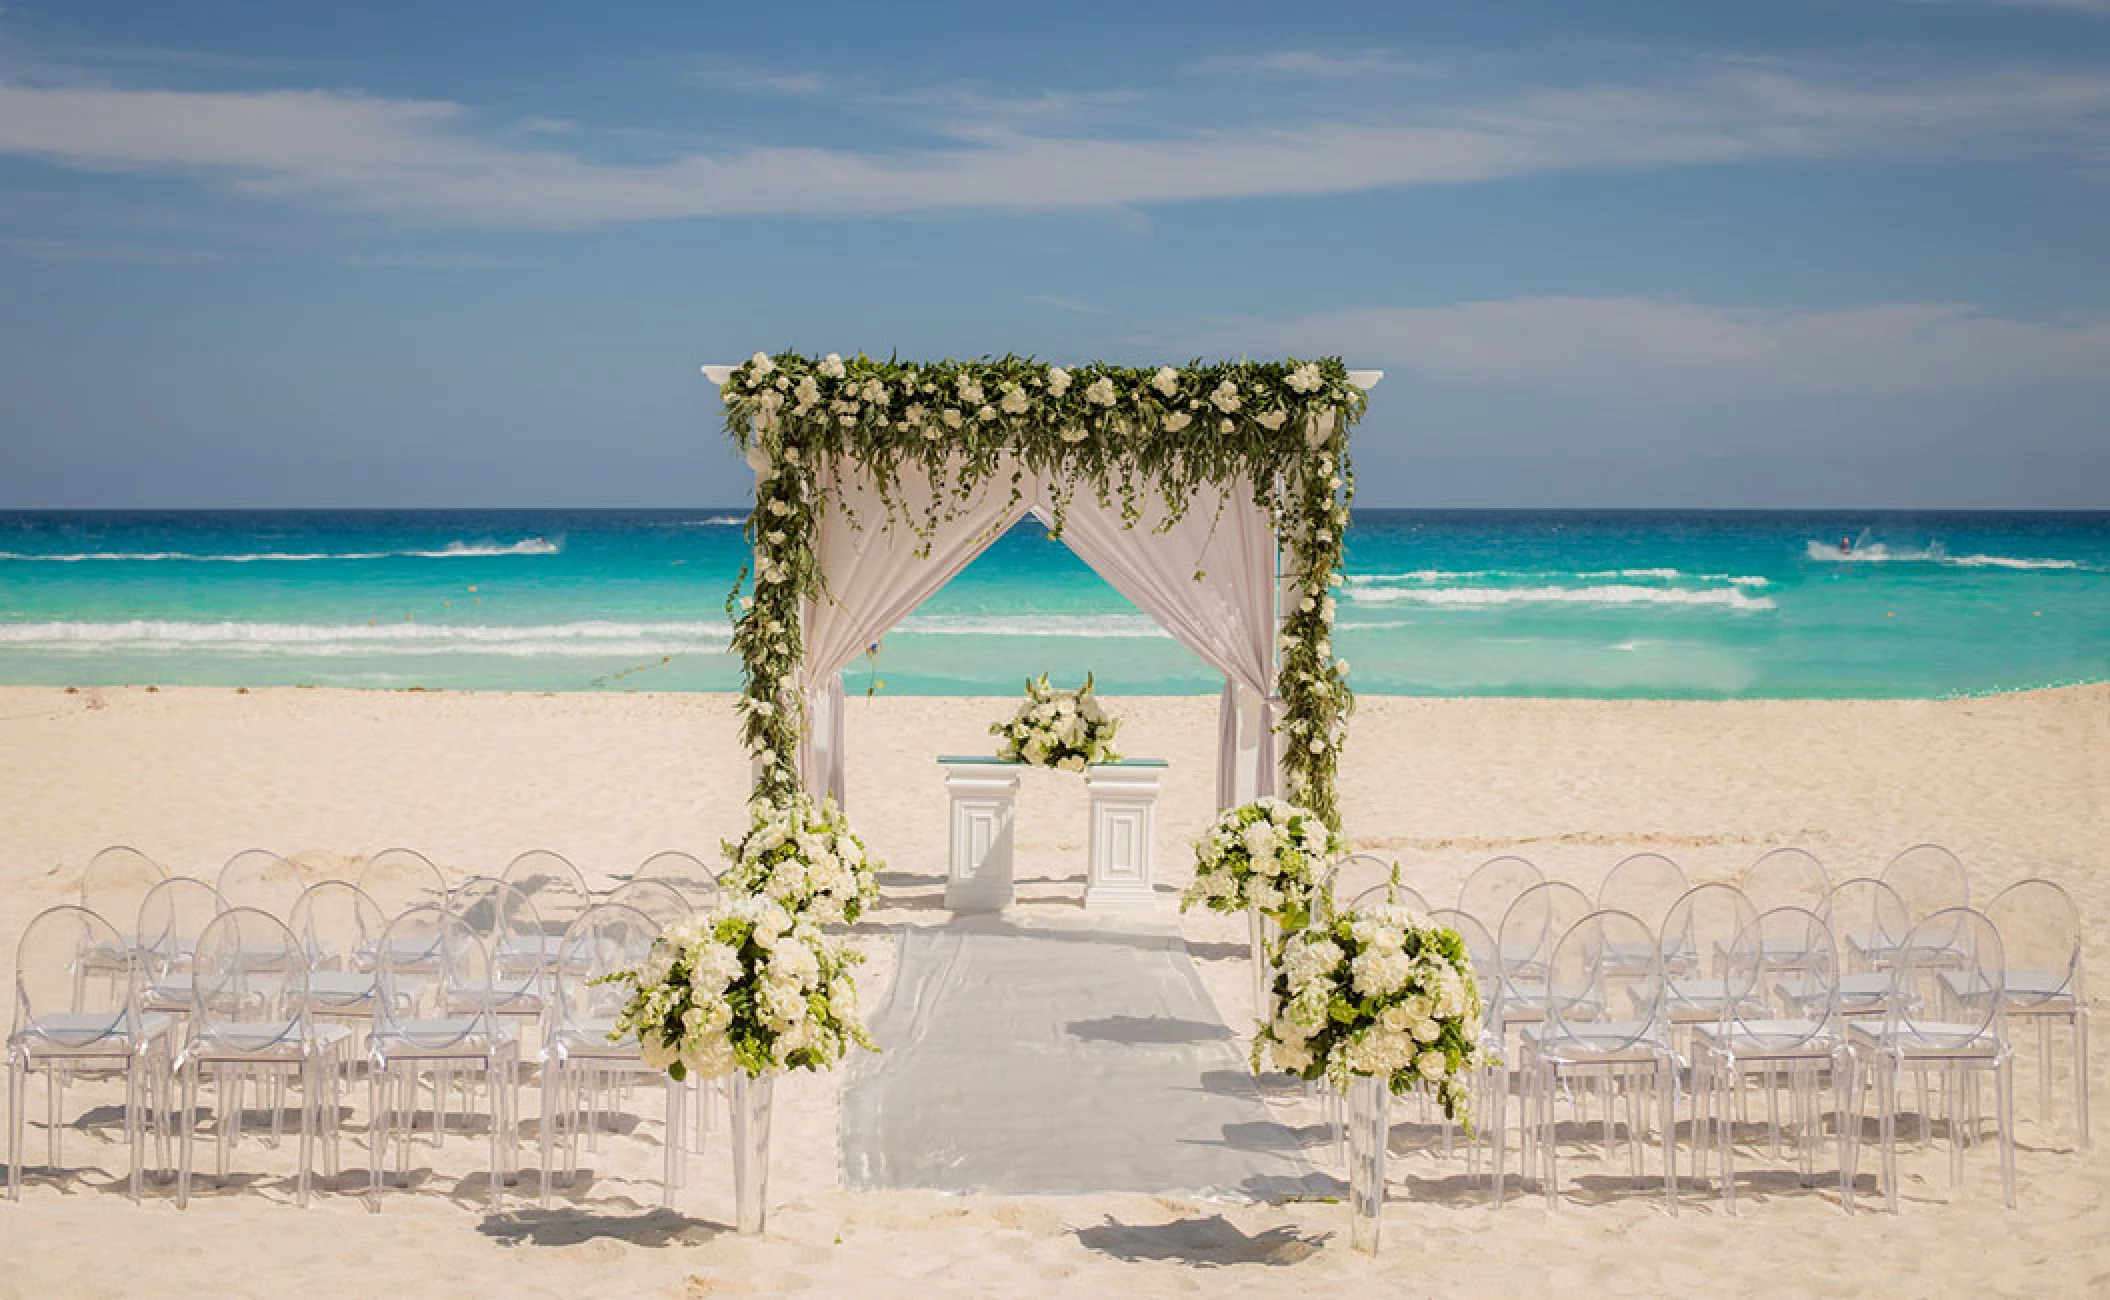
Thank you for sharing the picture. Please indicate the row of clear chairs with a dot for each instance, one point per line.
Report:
(1849, 961)
(262, 1008)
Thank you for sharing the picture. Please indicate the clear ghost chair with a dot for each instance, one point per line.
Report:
(116, 881)
(1645, 885)
(175, 913)
(513, 933)
(2040, 938)
(452, 1028)
(339, 928)
(657, 899)
(1490, 1084)
(1395, 895)
(579, 1051)
(686, 872)
(1869, 923)
(1923, 1030)
(1576, 1041)
(1353, 875)
(400, 879)
(66, 1025)
(1695, 941)
(1535, 921)
(1752, 1039)
(1785, 878)
(1929, 879)
(556, 888)
(1493, 886)
(250, 1017)
(263, 880)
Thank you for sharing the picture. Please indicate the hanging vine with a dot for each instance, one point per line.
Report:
(1129, 435)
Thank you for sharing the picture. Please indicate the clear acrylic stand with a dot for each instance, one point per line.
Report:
(751, 1097)
(1369, 1133)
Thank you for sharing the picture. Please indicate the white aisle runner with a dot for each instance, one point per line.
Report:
(1059, 1060)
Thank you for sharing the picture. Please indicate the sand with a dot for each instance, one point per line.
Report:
(2017, 785)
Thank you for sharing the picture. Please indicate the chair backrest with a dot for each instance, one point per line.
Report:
(1785, 878)
(1868, 922)
(607, 937)
(1951, 947)
(249, 983)
(1694, 942)
(59, 1000)
(430, 959)
(1614, 1006)
(658, 899)
(2040, 937)
(1753, 966)
(1481, 951)
(263, 880)
(1645, 884)
(685, 871)
(507, 924)
(173, 915)
(400, 879)
(1493, 886)
(549, 881)
(1930, 879)
(1533, 924)
(1395, 895)
(338, 925)
(1353, 875)
(116, 880)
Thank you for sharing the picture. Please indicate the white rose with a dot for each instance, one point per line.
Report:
(760, 364)
(970, 391)
(1101, 392)
(1058, 380)
(1430, 1064)
(1166, 381)
(831, 366)
(1272, 420)
(1177, 421)
(953, 418)
(1014, 401)
(1225, 397)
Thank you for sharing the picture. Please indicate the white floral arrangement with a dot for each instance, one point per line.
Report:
(1267, 855)
(1380, 991)
(804, 856)
(747, 985)
(1068, 730)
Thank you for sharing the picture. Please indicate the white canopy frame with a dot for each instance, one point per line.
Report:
(1213, 578)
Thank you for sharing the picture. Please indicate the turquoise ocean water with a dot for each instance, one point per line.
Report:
(1612, 604)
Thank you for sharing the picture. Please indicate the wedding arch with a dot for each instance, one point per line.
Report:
(1212, 495)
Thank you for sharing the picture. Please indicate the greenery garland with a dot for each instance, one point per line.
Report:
(1281, 426)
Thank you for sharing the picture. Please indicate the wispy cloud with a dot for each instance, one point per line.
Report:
(725, 75)
(109, 254)
(1317, 65)
(1060, 303)
(441, 161)
(425, 260)
(1669, 350)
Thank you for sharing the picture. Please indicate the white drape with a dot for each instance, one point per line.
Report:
(1226, 616)
(876, 578)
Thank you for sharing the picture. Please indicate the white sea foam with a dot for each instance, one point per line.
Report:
(1127, 626)
(1606, 594)
(575, 639)
(717, 521)
(451, 551)
(1426, 576)
(1878, 553)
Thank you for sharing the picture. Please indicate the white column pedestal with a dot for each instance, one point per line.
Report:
(982, 791)
(1124, 798)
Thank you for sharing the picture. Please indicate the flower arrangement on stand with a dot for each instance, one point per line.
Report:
(805, 856)
(1262, 858)
(1377, 1001)
(747, 988)
(1062, 729)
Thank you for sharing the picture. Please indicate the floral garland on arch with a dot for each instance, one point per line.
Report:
(1119, 432)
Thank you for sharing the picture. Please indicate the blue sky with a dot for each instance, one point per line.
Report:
(1836, 253)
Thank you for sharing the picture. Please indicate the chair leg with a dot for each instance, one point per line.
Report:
(2004, 1094)
(376, 1126)
(16, 1124)
(187, 1142)
(551, 1069)
(2080, 1070)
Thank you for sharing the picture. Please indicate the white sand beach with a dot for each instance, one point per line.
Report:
(2016, 785)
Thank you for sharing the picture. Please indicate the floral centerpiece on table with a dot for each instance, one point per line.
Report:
(1265, 855)
(1380, 991)
(804, 856)
(744, 985)
(1056, 728)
